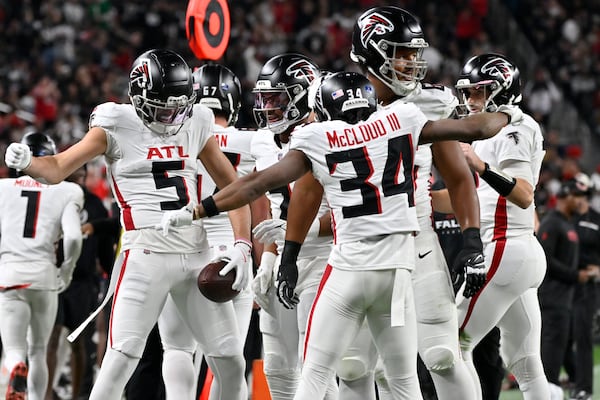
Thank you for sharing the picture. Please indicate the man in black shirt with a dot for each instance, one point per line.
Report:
(559, 239)
(584, 303)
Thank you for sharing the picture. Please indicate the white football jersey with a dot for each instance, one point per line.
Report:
(523, 142)
(436, 102)
(266, 152)
(30, 227)
(366, 170)
(150, 174)
(235, 144)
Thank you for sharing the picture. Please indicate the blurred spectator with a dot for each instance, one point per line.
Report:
(540, 95)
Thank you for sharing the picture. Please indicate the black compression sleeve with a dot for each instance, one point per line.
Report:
(502, 183)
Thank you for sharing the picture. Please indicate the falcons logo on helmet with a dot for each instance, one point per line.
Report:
(302, 69)
(141, 76)
(499, 68)
(374, 24)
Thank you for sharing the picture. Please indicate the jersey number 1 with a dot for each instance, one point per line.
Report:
(31, 214)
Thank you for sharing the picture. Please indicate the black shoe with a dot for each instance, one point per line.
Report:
(17, 384)
(580, 395)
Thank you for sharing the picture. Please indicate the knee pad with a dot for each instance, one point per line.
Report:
(434, 302)
(277, 363)
(351, 368)
(438, 358)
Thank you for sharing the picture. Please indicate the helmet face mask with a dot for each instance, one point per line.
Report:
(161, 90)
(218, 88)
(389, 42)
(495, 76)
(346, 96)
(281, 92)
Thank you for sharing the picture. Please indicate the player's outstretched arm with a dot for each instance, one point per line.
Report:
(54, 169)
(474, 127)
(291, 167)
(303, 208)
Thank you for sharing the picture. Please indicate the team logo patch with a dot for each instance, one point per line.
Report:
(373, 24)
(500, 68)
(302, 69)
(140, 75)
(514, 136)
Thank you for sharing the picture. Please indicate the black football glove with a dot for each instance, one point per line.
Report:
(470, 261)
(288, 275)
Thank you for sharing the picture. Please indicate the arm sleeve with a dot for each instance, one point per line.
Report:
(71, 228)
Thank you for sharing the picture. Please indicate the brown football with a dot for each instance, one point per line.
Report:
(215, 287)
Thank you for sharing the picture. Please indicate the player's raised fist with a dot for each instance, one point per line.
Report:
(18, 156)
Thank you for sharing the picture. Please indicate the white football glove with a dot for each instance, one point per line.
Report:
(65, 276)
(514, 113)
(272, 230)
(264, 275)
(237, 257)
(18, 156)
(182, 217)
(263, 281)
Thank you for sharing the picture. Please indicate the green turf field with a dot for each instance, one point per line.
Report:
(516, 395)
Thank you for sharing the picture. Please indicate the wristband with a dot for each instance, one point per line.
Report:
(472, 239)
(210, 208)
(243, 241)
(290, 252)
(498, 180)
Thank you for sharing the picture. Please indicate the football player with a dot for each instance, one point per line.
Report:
(509, 166)
(33, 217)
(219, 89)
(151, 147)
(281, 104)
(366, 170)
(388, 43)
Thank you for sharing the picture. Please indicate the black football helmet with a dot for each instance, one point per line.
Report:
(40, 144)
(219, 89)
(496, 74)
(377, 35)
(281, 91)
(347, 96)
(161, 90)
